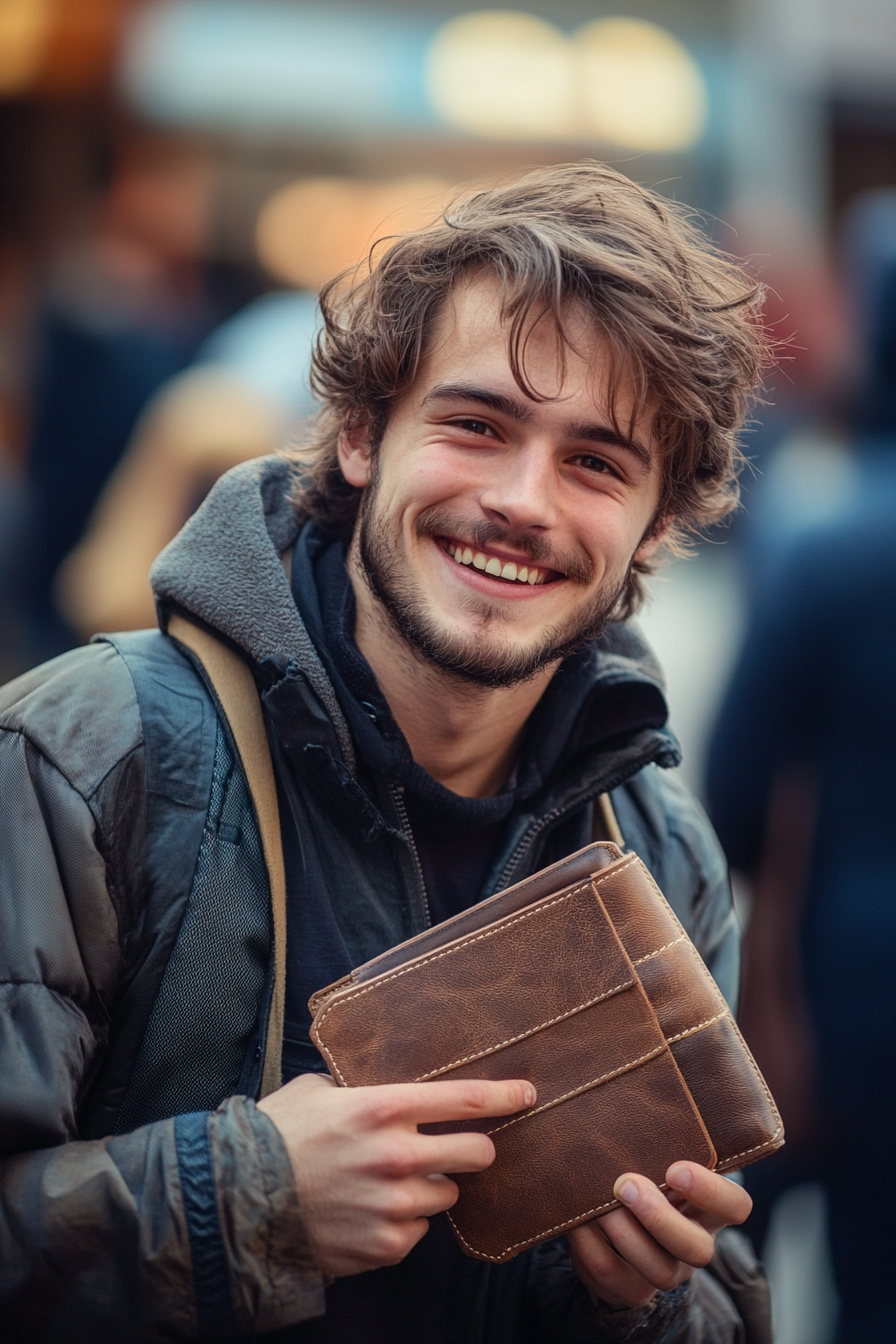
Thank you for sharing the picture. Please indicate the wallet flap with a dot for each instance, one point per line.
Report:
(477, 995)
(567, 872)
(724, 1079)
(555, 1167)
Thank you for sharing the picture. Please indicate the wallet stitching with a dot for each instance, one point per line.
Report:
(691, 1031)
(585, 1087)
(727, 1014)
(539, 1236)
(533, 1031)
(755, 1149)
(447, 952)
(647, 956)
(745, 1152)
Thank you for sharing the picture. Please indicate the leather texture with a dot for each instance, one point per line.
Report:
(582, 980)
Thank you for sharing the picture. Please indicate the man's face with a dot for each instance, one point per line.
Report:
(496, 531)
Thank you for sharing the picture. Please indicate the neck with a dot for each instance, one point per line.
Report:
(466, 736)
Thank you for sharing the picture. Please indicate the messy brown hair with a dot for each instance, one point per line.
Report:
(680, 317)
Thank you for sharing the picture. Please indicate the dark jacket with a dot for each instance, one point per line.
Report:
(135, 938)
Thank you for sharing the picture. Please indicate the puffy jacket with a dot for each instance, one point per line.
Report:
(135, 956)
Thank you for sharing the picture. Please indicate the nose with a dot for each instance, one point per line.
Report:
(520, 491)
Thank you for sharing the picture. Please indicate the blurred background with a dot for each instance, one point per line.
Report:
(178, 178)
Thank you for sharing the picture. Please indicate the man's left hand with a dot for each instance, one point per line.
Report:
(657, 1239)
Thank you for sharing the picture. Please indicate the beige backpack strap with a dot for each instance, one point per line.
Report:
(238, 698)
(606, 827)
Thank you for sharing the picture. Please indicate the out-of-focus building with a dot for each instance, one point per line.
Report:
(279, 138)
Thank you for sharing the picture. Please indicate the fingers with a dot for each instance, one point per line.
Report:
(656, 1221)
(461, 1099)
(607, 1277)
(422, 1197)
(656, 1242)
(396, 1154)
(454, 1152)
(712, 1200)
(649, 1254)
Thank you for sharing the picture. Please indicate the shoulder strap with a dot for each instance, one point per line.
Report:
(606, 827)
(237, 696)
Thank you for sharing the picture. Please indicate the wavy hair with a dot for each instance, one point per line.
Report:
(680, 317)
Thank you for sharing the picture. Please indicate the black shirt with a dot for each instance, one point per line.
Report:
(457, 840)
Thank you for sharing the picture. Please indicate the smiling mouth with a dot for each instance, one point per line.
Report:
(495, 568)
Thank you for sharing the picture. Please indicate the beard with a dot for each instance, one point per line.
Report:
(482, 658)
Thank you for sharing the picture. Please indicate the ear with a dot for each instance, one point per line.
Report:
(653, 540)
(354, 450)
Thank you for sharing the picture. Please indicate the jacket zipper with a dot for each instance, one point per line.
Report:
(528, 839)
(534, 831)
(398, 798)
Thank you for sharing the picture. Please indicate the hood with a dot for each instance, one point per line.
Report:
(224, 569)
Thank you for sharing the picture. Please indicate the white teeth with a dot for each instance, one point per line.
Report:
(492, 565)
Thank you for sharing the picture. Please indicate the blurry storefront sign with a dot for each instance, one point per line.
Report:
(274, 66)
(311, 230)
(496, 74)
(57, 47)
(511, 75)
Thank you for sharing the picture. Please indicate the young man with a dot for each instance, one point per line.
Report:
(520, 406)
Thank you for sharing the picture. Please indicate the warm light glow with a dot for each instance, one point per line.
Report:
(502, 74)
(311, 230)
(513, 76)
(24, 29)
(640, 87)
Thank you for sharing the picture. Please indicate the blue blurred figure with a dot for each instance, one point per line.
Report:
(802, 790)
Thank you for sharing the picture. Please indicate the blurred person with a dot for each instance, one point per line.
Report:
(245, 394)
(801, 790)
(12, 531)
(15, 341)
(520, 406)
(125, 304)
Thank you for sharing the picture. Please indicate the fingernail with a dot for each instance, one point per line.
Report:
(529, 1094)
(681, 1177)
(628, 1193)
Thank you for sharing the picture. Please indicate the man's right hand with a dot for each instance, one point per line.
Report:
(367, 1179)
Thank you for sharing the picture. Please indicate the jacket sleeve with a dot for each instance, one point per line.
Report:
(184, 1226)
(726, 1303)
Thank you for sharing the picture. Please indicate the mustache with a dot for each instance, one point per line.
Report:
(439, 522)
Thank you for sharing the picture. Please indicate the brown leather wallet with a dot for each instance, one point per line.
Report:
(582, 980)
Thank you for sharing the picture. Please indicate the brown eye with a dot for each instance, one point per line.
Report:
(597, 464)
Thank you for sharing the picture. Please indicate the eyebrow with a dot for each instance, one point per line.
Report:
(517, 410)
(495, 401)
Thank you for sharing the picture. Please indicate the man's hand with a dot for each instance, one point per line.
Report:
(657, 1240)
(367, 1179)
